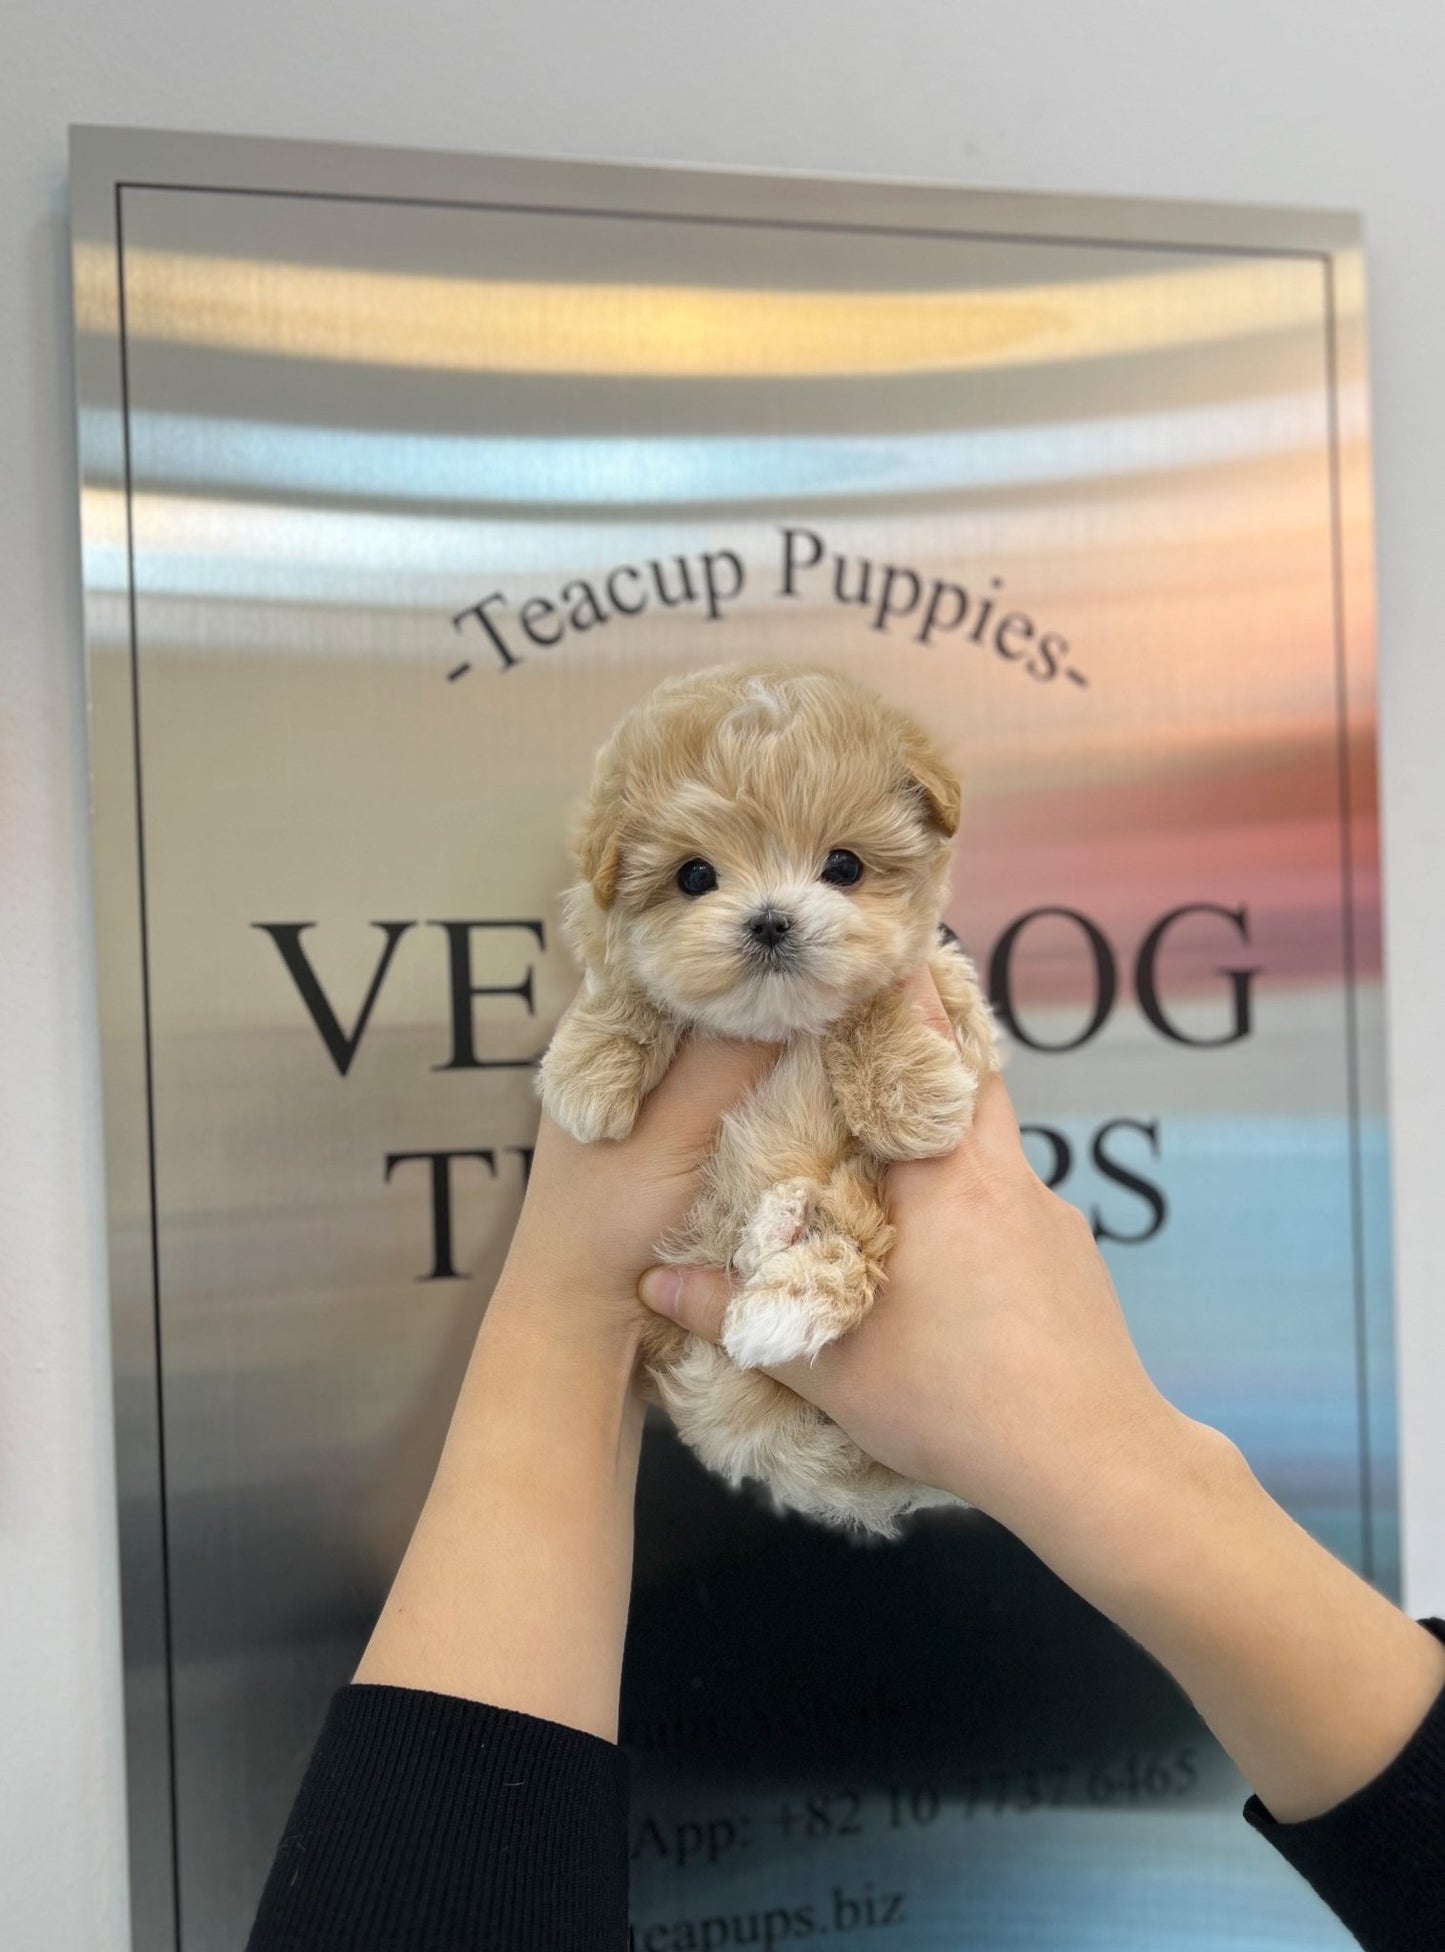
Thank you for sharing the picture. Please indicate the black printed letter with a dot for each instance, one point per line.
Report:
(287, 937)
(459, 951)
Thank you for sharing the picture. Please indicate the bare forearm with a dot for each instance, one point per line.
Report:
(514, 1588)
(1309, 1678)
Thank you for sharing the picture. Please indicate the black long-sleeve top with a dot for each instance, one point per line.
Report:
(428, 1824)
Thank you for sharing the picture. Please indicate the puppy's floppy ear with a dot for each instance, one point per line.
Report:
(599, 851)
(597, 832)
(935, 783)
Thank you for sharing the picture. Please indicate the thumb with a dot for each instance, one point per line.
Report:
(696, 1298)
(922, 991)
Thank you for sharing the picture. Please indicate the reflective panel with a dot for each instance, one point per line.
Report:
(403, 476)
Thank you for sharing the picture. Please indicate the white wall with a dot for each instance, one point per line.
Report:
(1289, 101)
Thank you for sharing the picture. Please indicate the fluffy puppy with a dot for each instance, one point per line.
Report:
(764, 854)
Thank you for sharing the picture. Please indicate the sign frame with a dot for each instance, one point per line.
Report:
(107, 165)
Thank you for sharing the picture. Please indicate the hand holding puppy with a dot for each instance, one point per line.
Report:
(996, 1363)
(765, 855)
(593, 1213)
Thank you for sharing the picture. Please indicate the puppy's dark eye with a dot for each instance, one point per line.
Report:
(842, 868)
(697, 877)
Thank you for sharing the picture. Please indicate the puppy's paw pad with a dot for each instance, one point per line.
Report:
(779, 1221)
(770, 1325)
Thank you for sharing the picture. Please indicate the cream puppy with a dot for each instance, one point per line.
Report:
(765, 854)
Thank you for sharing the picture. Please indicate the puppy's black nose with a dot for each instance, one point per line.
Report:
(768, 927)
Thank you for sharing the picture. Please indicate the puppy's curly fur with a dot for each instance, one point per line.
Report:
(765, 854)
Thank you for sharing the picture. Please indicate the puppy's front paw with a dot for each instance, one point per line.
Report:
(915, 1100)
(593, 1087)
(588, 1112)
(936, 1106)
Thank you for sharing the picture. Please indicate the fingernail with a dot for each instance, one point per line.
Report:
(661, 1289)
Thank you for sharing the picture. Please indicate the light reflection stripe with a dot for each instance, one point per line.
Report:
(188, 449)
(267, 551)
(387, 318)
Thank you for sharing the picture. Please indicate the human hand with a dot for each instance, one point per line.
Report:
(528, 1525)
(593, 1213)
(996, 1362)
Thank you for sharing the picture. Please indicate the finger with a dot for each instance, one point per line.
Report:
(995, 1127)
(992, 1145)
(922, 992)
(707, 1076)
(696, 1298)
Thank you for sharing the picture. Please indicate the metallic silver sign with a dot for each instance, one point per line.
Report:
(403, 475)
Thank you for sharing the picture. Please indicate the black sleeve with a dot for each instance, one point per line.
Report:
(1378, 1858)
(429, 1824)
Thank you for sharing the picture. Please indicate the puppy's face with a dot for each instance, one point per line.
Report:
(766, 850)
